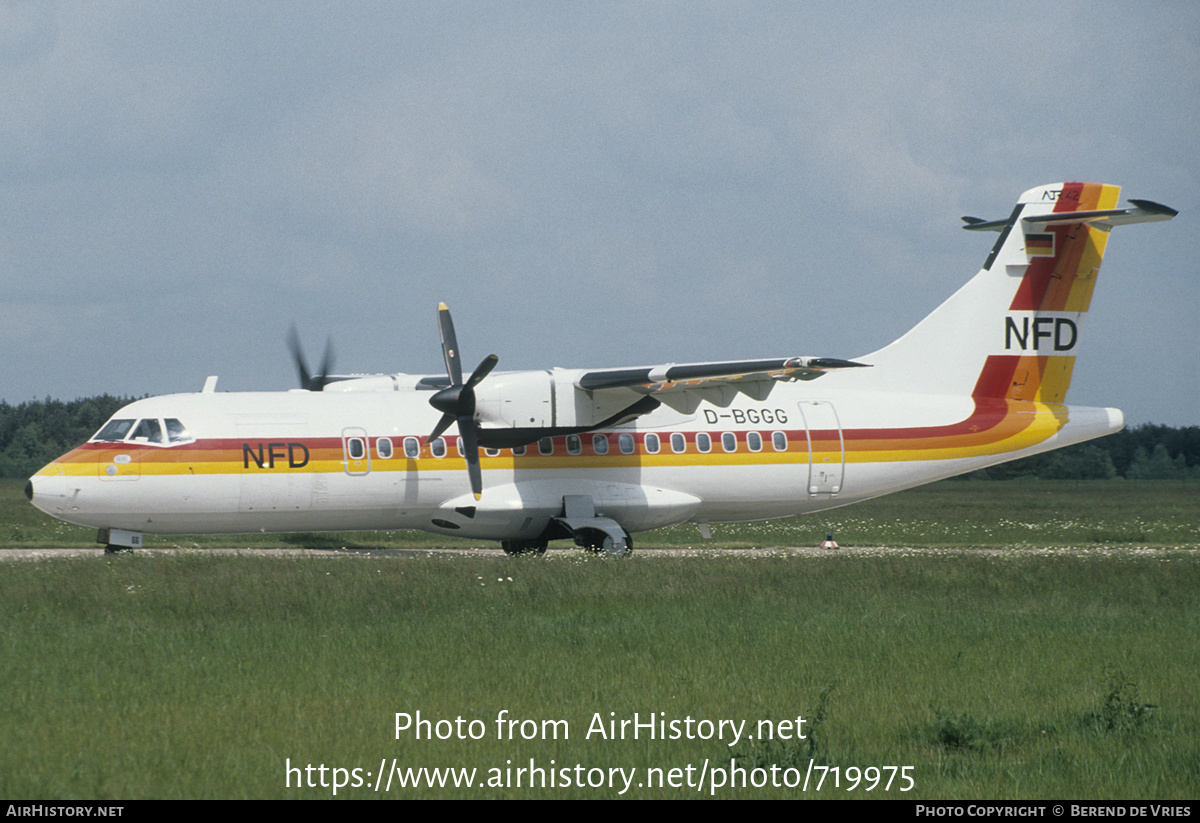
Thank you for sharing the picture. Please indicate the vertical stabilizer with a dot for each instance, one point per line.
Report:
(1012, 332)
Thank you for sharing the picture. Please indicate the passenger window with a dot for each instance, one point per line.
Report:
(518, 451)
(779, 441)
(600, 443)
(703, 443)
(439, 447)
(492, 452)
(625, 441)
(383, 447)
(148, 430)
(574, 444)
(678, 443)
(546, 446)
(412, 448)
(356, 448)
(729, 442)
(115, 430)
(651, 443)
(754, 441)
(177, 432)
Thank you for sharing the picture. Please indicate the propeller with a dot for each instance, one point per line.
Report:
(457, 401)
(309, 381)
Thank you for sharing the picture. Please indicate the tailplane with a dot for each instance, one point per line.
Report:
(1013, 330)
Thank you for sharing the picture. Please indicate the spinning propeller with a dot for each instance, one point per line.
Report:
(308, 381)
(457, 402)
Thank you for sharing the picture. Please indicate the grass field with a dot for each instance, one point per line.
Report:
(1014, 674)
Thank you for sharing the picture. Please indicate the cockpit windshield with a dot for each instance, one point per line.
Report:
(146, 430)
(176, 432)
(114, 430)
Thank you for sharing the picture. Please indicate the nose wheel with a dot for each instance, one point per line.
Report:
(119, 540)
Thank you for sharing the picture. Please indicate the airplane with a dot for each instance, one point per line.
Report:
(527, 457)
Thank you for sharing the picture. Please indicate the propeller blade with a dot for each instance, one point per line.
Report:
(457, 401)
(308, 380)
(449, 344)
(470, 450)
(298, 355)
(326, 365)
(440, 428)
(482, 371)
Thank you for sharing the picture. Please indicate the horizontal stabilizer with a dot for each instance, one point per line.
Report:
(1143, 211)
(979, 224)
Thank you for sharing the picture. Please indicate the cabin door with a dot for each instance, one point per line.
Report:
(356, 452)
(826, 449)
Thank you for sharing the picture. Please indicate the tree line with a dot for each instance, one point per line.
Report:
(34, 433)
(1145, 452)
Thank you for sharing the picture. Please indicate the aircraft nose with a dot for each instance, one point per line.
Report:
(41, 493)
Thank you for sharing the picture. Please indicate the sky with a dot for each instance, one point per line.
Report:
(586, 185)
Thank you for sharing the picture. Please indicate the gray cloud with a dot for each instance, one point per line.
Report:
(586, 185)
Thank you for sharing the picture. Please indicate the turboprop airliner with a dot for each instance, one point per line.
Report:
(596, 455)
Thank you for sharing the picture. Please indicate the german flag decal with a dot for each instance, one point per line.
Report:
(1039, 245)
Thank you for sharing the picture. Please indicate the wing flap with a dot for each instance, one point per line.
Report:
(752, 377)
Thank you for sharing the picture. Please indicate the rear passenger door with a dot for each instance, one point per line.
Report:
(826, 448)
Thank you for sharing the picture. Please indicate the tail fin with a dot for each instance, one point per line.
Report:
(1012, 331)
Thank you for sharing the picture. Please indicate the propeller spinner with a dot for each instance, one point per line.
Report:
(457, 401)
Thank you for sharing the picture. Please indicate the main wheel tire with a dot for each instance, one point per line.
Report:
(611, 550)
(517, 548)
(600, 542)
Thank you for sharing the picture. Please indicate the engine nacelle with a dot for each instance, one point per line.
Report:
(516, 400)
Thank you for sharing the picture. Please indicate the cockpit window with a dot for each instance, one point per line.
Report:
(177, 432)
(115, 430)
(148, 430)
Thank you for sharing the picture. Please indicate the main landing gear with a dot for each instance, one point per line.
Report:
(591, 531)
(517, 548)
(594, 540)
(594, 532)
(604, 543)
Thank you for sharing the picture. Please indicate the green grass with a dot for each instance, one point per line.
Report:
(1015, 674)
(991, 676)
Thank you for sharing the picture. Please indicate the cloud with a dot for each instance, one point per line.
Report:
(390, 157)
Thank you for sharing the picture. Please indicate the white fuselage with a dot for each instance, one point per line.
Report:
(289, 462)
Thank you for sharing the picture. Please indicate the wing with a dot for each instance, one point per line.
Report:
(684, 385)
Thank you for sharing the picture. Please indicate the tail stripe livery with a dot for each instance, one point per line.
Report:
(1013, 330)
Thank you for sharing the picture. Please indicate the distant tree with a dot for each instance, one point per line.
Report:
(24, 452)
(1143, 452)
(1157, 465)
(1086, 462)
(34, 433)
